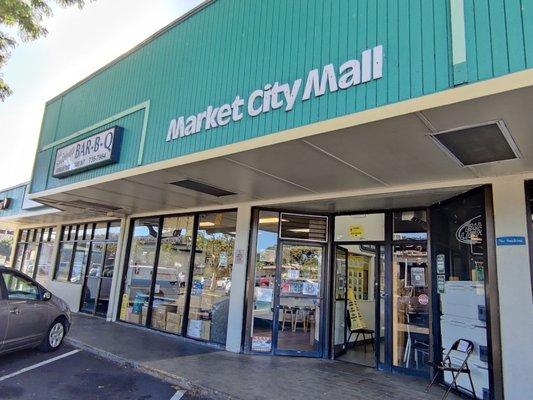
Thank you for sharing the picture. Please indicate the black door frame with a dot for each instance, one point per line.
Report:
(379, 247)
(277, 296)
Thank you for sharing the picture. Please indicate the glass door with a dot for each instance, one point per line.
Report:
(358, 319)
(93, 273)
(298, 299)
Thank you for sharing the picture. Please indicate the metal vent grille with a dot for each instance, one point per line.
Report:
(480, 144)
(304, 227)
(202, 188)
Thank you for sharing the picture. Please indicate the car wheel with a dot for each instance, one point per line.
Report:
(54, 337)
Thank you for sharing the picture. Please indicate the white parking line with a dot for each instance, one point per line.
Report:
(21, 371)
(178, 395)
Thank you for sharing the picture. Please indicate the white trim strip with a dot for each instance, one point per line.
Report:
(34, 366)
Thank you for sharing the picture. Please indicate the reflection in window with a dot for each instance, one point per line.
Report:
(140, 270)
(65, 259)
(211, 284)
(34, 252)
(76, 247)
(45, 262)
(265, 276)
(410, 225)
(19, 288)
(459, 263)
(171, 285)
(410, 289)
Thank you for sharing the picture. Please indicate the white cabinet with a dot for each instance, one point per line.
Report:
(463, 309)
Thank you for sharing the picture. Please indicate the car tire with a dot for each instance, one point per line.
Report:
(54, 337)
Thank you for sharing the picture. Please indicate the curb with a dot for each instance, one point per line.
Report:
(181, 382)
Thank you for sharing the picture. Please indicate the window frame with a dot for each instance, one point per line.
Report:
(161, 217)
(23, 240)
(69, 234)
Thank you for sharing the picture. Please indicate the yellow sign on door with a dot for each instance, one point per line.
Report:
(356, 231)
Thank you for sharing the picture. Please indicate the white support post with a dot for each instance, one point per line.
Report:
(238, 280)
(118, 269)
(514, 287)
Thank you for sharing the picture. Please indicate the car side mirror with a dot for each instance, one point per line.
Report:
(47, 295)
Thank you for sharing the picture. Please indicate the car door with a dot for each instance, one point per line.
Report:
(4, 314)
(28, 314)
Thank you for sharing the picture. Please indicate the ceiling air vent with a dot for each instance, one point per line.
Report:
(479, 144)
(89, 205)
(202, 188)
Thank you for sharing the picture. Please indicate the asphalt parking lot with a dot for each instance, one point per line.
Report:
(70, 373)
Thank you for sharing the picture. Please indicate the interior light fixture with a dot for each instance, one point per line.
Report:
(205, 224)
(269, 220)
(300, 230)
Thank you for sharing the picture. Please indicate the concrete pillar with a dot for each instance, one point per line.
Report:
(238, 280)
(514, 288)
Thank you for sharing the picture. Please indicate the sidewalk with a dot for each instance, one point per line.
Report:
(219, 374)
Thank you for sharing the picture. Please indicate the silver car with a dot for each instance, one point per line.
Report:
(30, 316)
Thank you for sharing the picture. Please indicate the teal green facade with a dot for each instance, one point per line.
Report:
(16, 194)
(232, 47)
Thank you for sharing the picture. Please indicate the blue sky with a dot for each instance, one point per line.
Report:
(78, 43)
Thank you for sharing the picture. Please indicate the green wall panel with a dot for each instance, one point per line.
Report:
(233, 47)
(16, 194)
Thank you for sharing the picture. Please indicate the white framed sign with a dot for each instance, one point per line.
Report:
(100, 149)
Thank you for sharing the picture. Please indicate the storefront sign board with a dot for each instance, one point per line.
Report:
(100, 149)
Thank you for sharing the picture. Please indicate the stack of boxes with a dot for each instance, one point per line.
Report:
(169, 316)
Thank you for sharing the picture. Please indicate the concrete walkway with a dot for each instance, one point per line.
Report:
(219, 374)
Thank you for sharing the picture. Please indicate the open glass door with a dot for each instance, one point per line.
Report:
(298, 299)
(358, 315)
(339, 334)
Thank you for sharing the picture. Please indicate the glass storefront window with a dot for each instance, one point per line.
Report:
(100, 231)
(79, 262)
(213, 263)
(410, 306)
(264, 281)
(65, 258)
(114, 230)
(459, 263)
(140, 270)
(410, 225)
(34, 253)
(30, 256)
(108, 269)
(360, 227)
(45, 262)
(172, 276)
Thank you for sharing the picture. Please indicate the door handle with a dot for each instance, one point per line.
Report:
(15, 311)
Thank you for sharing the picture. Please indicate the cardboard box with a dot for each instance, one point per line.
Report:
(206, 330)
(168, 307)
(173, 328)
(174, 318)
(207, 301)
(132, 317)
(144, 314)
(195, 301)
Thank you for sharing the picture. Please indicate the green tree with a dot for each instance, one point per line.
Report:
(24, 18)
